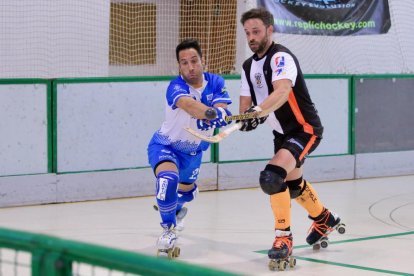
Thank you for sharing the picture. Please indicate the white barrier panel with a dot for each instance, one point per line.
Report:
(107, 125)
(331, 98)
(23, 128)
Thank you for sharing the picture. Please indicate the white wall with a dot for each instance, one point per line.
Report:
(49, 39)
(23, 128)
(107, 125)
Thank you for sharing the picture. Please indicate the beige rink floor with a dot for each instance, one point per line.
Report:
(232, 230)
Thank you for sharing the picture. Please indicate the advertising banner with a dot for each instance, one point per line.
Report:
(329, 17)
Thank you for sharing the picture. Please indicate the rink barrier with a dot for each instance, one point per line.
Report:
(60, 149)
(51, 256)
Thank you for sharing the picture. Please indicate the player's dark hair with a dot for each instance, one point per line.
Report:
(258, 13)
(188, 44)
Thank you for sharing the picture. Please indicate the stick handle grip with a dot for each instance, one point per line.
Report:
(240, 117)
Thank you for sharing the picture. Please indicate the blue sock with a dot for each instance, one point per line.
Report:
(187, 196)
(167, 185)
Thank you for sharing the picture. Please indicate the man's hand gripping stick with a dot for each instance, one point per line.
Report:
(223, 134)
(212, 114)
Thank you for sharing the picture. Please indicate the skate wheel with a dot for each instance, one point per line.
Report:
(341, 229)
(272, 265)
(176, 252)
(170, 254)
(292, 262)
(316, 246)
(282, 265)
(324, 244)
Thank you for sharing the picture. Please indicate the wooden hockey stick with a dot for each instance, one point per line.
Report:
(218, 137)
(223, 134)
(241, 117)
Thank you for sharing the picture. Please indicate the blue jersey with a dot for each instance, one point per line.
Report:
(172, 131)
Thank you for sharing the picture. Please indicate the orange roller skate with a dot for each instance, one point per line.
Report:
(281, 251)
(322, 226)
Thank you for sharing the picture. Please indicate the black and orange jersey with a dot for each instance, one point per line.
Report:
(298, 114)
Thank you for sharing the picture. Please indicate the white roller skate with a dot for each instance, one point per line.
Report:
(322, 226)
(180, 218)
(280, 254)
(167, 243)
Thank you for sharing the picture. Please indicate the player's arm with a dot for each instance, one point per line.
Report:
(245, 103)
(223, 105)
(192, 107)
(279, 96)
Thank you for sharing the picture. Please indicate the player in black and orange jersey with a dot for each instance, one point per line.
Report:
(273, 84)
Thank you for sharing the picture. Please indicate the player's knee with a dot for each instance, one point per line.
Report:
(295, 190)
(187, 196)
(272, 180)
(167, 185)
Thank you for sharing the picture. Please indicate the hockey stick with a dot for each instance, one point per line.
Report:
(218, 137)
(223, 134)
(241, 117)
(212, 114)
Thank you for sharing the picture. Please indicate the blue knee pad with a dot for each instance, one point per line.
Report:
(166, 188)
(187, 196)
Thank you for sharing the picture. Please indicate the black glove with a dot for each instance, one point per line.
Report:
(251, 124)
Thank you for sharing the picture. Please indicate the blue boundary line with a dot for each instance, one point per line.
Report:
(350, 265)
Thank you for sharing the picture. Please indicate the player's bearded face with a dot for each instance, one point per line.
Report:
(259, 46)
(257, 35)
(191, 67)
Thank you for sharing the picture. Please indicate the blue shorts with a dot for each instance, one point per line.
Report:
(188, 164)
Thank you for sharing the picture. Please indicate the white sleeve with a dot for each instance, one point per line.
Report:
(244, 89)
(283, 67)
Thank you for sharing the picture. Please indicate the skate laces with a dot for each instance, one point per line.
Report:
(169, 234)
(280, 241)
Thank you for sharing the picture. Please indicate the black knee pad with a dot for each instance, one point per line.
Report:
(272, 183)
(294, 187)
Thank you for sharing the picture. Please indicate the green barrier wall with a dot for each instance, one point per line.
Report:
(51, 256)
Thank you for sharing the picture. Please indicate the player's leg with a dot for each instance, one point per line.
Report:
(324, 220)
(290, 152)
(304, 193)
(272, 182)
(186, 193)
(187, 190)
(166, 192)
(164, 163)
(166, 196)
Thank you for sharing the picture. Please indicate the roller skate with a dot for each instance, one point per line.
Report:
(167, 243)
(281, 251)
(322, 226)
(180, 218)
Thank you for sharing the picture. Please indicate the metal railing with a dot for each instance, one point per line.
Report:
(24, 253)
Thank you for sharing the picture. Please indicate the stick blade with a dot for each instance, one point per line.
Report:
(216, 138)
(211, 139)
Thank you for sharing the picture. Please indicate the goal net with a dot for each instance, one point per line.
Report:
(91, 38)
(100, 38)
(143, 35)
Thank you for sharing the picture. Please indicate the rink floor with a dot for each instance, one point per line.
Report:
(232, 230)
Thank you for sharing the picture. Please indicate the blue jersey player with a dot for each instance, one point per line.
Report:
(194, 99)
